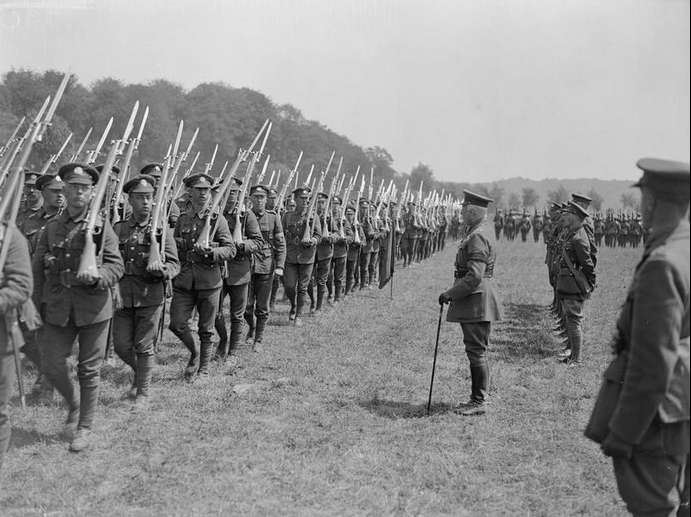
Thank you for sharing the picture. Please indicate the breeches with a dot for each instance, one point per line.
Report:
(135, 329)
(184, 303)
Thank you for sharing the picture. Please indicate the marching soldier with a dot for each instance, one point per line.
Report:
(474, 298)
(524, 225)
(142, 287)
(369, 228)
(641, 417)
(343, 234)
(269, 260)
(498, 224)
(75, 305)
(301, 251)
(538, 224)
(15, 289)
(353, 258)
(200, 280)
(410, 234)
(155, 170)
(248, 239)
(50, 187)
(33, 200)
(325, 250)
(575, 258)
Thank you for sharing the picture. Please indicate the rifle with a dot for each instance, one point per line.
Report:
(263, 172)
(210, 164)
(10, 141)
(92, 155)
(309, 229)
(54, 157)
(156, 250)
(133, 145)
(284, 190)
(75, 156)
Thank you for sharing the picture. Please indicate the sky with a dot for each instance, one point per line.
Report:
(478, 90)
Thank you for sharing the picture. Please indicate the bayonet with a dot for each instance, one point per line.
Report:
(75, 156)
(54, 158)
(94, 154)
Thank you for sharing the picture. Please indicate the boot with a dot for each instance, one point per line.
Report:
(320, 298)
(222, 331)
(193, 363)
(477, 405)
(299, 304)
(235, 339)
(207, 349)
(259, 331)
(338, 294)
(87, 406)
(250, 336)
(145, 367)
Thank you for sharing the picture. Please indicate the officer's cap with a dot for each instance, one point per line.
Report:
(30, 177)
(48, 181)
(273, 192)
(337, 200)
(259, 189)
(350, 207)
(664, 177)
(114, 169)
(580, 198)
(470, 198)
(364, 200)
(155, 170)
(574, 208)
(302, 191)
(199, 181)
(141, 184)
(322, 195)
(78, 173)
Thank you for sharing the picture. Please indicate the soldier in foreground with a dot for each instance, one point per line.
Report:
(641, 417)
(142, 287)
(76, 305)
(474, 299)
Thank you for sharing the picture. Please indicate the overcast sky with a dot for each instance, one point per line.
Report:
(479, 90)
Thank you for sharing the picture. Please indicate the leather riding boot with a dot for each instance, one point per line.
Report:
(192, 365)
(338, 293)
(235, 339)
(145, 367)
(299, 304)
(479, 376)
(320, 296)
(207, 349)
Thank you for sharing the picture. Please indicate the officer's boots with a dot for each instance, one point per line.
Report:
(259, 334)
(145, 367)
(479, 376)
(320, 297)
(206, 351)
(222, 331)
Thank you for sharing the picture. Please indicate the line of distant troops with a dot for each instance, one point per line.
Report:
(122, 307)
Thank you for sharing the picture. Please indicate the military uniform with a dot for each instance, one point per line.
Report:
(30, 206)
(237, 279)
(474, 298)
(299, 256)
(73, 310)
(16, 286)
(269, 256)
(576, 251)
(322, 264)
(200, 281)
(524, 226)
(353, 257)
(641, 416)
(143, 294)
(498, 224)
(343, 236)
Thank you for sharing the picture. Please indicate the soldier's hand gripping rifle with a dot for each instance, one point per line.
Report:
(311, 215)
(88, 266)
(205, 236)
(133, 146)
(158, 222)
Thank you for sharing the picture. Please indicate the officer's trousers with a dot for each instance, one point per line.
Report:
(337, 276)
(257, 310)
(238, 304)
(182, 306)
(296, 280)
(572, 311)
(476, 341)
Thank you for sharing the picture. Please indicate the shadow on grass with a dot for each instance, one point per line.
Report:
(525, 332)
(26, 437)
(400, 410)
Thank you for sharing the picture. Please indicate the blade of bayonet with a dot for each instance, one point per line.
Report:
(263, 172)
(128, 128)
(254, 142)
(62, 149)
(54, 105)
(145, 117)
(210, 164)
(94, 154)
(271, 180)
(176, 146)
(189, 147)
(13, 136)
(75, 156)
(191, 167)
(309, 176)
(328, 166)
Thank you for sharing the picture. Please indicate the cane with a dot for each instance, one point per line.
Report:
(434, 364)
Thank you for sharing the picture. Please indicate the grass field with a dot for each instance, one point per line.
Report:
(330, 419)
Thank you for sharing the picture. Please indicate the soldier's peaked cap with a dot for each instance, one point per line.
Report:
(236, 184)
(664, 176)
(114, 169)
(470, 198)
(199, 181)
(259, 189)
(141, 184)
(49, 180)
(574, 208)
(78, 173)
(337, 199)
(322, 195)
(31, 177)
(580, 198)
(155, 170)
(302, 191)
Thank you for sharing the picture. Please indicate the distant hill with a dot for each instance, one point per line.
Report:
(610, 190)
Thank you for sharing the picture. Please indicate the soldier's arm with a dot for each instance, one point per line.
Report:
(348, 232)
(39, 265)
(253, 238)
(581, 247)
(654, 350)
(171, 267)
(478, 254)
(17, 280)
(279, 244)
(112, 266)
(226, 247)
(180, 241)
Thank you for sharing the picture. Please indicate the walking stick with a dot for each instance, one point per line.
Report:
(434, 364)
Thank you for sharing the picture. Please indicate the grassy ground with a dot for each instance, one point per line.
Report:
(330, 418)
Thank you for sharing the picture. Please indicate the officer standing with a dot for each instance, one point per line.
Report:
(645, 429)
(199, 283)
(574, 258)
(142, 287)
(269, 260)
(474, 297)
(75, 306)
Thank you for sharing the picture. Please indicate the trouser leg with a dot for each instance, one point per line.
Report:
(322, 272)
(303, 279)
(6, 381)
(290, 281)
(146, 321)
(124, 329)
(339, 276)
(476, 340)
(181, 308)
(93, 340)
(61, 340)
(262, 293)
(238, 301)
(573, 317)
(364, 268)
(207, 302)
